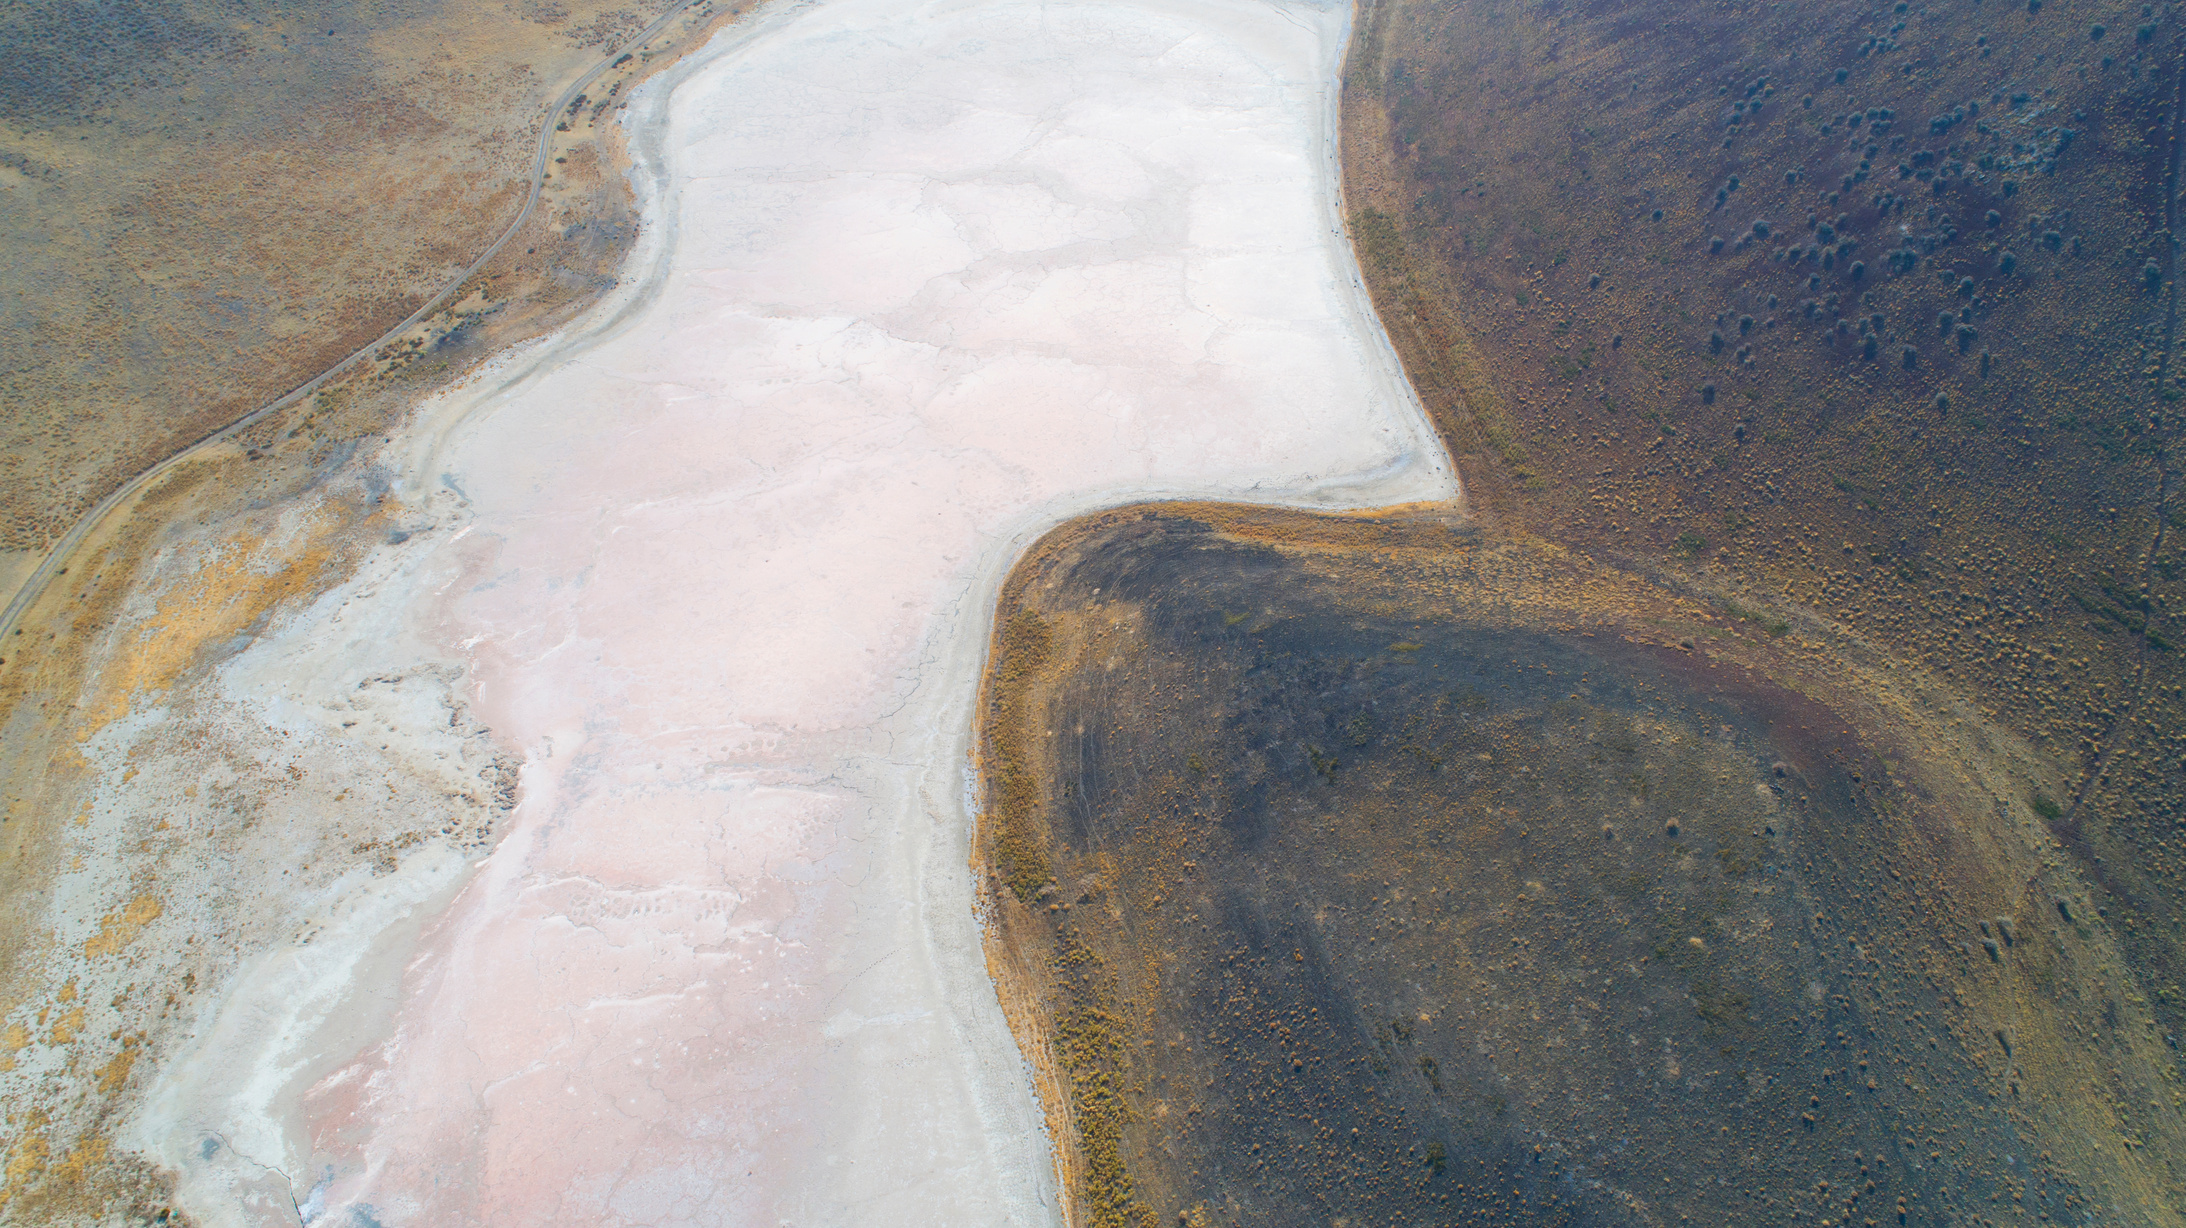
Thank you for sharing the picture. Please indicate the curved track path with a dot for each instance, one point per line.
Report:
(34, 585)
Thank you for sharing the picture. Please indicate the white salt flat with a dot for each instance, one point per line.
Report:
(918, 282)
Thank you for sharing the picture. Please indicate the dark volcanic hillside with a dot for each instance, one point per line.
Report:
(1766, 803)
(1868, 308)
(1399, 872)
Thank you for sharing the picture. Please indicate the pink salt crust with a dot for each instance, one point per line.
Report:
(940, 276)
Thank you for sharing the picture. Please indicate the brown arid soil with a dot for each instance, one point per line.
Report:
(205, 205)
(1332, 860)
(106, 960)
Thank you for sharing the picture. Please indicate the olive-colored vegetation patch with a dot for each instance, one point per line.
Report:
(1017, 829)
(1872, 307)
(1487, 883)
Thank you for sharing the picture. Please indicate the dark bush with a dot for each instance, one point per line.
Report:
(1857, 271)
(1967, 335)
(1707, 394)
(1593, 281)
(1944, 321)
(1868, 351)
(1965, 287)
(1911, 358)
(1715, 244)
(1842, 74)
(2095, 33)
(2152, 273)
(1715, 342)
(1761, 230)
(1658, 215)
(1993, 218)
(2034, 6)
(2007, 262)
(2052, 240)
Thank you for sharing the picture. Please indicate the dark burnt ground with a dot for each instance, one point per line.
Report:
(1870, 307)
(1377, 888)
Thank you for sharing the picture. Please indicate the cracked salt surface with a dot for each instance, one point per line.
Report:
(918, 282)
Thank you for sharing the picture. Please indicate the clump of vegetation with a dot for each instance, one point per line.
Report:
(1015, 826)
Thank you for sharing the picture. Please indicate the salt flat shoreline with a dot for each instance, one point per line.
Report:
(882, 776)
